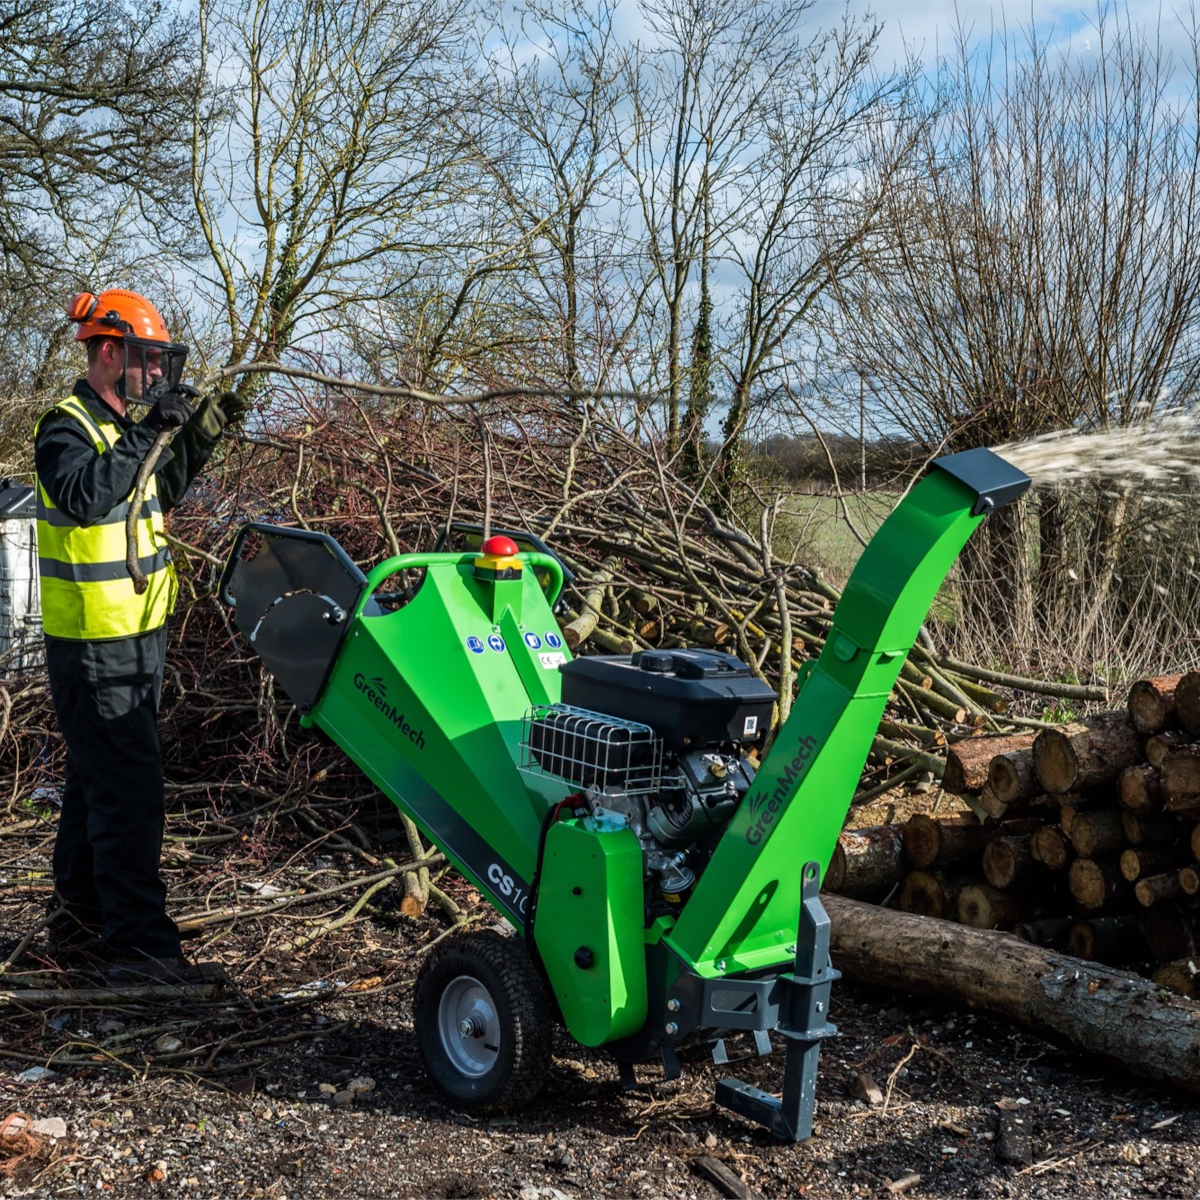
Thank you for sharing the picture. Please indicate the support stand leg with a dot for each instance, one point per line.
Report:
(804, 1022)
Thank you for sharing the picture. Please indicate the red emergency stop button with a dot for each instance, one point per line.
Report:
(500, 546)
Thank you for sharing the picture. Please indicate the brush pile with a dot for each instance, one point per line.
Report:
(655, 564)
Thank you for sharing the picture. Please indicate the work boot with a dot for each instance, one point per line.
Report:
(70, 940)
(68, 943)
(174, 971)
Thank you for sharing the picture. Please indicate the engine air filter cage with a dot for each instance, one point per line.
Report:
(591, 750)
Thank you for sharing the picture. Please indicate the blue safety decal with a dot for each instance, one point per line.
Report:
(553, 641)
(496, 642)
(475, 645)
(533, 641)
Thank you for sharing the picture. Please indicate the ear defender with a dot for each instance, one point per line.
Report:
(82, 306)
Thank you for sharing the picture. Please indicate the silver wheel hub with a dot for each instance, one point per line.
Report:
(469, 1027)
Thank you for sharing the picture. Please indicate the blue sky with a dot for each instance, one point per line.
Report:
(928, 25)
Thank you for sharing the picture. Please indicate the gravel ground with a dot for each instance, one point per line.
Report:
(273, 1130)
(302, 1079)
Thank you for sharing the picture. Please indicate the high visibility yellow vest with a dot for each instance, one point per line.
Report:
(86, 590)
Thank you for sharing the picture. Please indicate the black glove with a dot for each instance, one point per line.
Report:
(172, 408)
(218, 412)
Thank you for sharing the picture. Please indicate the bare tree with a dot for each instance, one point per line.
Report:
(552, 118)
(1040, 269)
(91, 103)
(342, 147)
(697, 97)
(834, 139)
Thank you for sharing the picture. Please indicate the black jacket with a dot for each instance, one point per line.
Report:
(85, 485)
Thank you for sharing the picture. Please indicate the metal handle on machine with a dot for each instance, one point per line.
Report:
(405, 562)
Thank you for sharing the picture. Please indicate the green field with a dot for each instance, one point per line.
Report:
(813, 530)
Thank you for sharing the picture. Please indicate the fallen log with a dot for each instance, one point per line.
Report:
(1041, 805)
(985, 907)
(1140, 861)
(1096, 833)
(1113, 940)
(1011, 775)
(1093, 882)
(1152, 832)
(1122, 1018)
(1051, 847)
(1008, 861)
(1154, 889)
(928, 894)
(1161, 744)
(1181, 779)
(1050, 933)
(989, 803)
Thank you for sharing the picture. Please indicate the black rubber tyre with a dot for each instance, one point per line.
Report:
(483, 1021)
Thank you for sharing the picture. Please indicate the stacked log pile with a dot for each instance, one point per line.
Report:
(1083, 838)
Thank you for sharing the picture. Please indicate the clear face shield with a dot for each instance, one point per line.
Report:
(161, 365)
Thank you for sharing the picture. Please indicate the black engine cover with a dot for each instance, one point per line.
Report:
(688, 697)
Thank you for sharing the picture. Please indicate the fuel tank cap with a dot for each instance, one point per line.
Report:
(657, 662)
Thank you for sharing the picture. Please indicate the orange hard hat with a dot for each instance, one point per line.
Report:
(116, 313)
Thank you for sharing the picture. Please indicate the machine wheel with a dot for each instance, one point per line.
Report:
(483, 1021)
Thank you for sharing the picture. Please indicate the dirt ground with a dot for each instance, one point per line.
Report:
(303, 1080)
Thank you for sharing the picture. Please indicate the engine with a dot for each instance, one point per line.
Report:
(657, 742)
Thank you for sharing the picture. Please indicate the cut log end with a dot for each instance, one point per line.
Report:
(1093, 883)
(985, 907)
(1151, 703)
(931, 841)
(1187, 702)
(1138, 790)
(1085, 754)
(1050, 847)
(925, 894)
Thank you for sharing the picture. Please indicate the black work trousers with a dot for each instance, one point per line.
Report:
(106, 856)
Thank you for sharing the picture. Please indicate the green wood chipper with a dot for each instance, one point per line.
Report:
(657, 889)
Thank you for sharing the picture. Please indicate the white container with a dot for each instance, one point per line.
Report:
(21, 646)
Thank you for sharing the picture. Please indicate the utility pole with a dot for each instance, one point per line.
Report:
(862, 431)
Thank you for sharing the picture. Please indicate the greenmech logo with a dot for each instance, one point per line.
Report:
(375, 691)
(766, 806)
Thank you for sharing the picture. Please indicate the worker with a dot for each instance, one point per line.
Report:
(105, 643)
